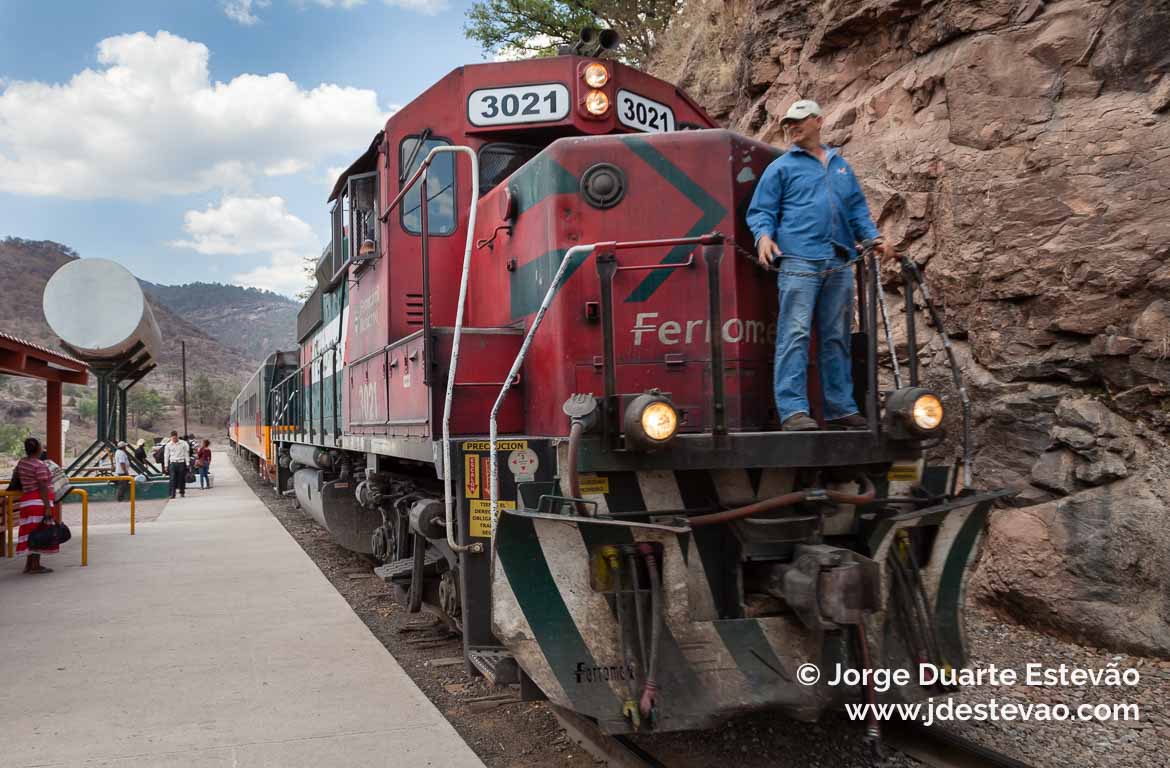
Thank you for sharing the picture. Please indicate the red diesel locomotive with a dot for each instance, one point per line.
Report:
(535, 384)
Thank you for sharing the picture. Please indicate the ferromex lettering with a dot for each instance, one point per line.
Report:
(671, 332)
(601, 674)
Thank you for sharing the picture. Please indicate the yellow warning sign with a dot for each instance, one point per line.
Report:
(481, 516)
(501, 445)
(472, 482)
(906, 471)
(593, 484)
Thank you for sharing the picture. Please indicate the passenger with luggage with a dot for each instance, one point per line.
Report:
(33, 478)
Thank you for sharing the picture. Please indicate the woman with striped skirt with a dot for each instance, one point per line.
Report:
(36, 501)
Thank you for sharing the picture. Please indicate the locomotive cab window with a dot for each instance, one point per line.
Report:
(440, 186)
(499, 161)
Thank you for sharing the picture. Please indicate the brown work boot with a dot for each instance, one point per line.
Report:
(799, 422)
(852, 421)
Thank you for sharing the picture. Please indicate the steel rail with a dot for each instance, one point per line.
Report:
(942, 748)
(612, 751)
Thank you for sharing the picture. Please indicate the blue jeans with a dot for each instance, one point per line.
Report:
(828, 301)
(203, 476)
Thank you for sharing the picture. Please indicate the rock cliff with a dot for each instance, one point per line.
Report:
(1019, 152)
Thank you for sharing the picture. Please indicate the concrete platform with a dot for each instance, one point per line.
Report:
(209, 639)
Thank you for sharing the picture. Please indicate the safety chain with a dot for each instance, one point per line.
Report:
(823, 273)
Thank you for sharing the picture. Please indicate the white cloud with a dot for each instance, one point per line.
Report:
(332, 174)
(149, 122)
(241, 12)
(254, 226)
(427, 7)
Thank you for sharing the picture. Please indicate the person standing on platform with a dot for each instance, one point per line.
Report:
(36, 503)
(176, 456)
(140, 451)
(203, 463)
(122, 467)
(807, 215)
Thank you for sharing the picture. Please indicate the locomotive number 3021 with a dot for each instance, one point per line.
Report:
(644, 114)
(518, 104)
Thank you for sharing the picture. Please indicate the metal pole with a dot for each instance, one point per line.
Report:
(184, 352)
(53, 434)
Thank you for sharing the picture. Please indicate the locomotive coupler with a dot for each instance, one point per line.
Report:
(829, 587)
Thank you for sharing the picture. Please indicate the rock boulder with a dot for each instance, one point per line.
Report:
(1019, 152)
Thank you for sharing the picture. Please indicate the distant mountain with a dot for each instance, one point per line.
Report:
(222, 311)
(206, 319)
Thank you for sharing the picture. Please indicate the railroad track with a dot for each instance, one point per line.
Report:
(613, 751)
(932, 746)
(941, 748)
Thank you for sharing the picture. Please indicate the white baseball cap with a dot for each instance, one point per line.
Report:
(800, 110)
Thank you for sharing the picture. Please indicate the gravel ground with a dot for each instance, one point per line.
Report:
(1143, 743)
(509, 734)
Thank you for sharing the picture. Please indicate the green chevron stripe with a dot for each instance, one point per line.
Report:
(530, 281)
(711, 213)
(540, 177)
(753, 654)
(948, 603)
(519, 552)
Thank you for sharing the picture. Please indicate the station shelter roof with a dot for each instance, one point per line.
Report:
(24, 358)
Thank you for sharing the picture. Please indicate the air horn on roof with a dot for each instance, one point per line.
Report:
(592, 42)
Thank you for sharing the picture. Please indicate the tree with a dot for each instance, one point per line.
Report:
(203, 398)
(12, 440)
(86, 409)
(145, 406)
(538, 27)
(210, 400)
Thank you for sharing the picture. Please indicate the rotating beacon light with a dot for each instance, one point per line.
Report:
(650, 421)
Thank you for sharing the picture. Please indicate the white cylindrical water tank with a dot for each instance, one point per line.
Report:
(97, 307)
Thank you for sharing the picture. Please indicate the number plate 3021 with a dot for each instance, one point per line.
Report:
(644, 114)
(518, 104)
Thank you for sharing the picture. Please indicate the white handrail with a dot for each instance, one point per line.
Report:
(448, 501)
(492, 431)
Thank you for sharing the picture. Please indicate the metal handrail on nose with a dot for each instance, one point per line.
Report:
(570, 255)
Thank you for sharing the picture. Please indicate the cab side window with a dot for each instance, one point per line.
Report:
(440, 186)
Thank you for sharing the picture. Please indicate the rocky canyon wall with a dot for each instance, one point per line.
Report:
(1019, 151)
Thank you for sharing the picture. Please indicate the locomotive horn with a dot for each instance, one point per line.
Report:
(587, 42)
(592, 41)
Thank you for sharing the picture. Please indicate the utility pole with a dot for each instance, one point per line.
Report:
(184, 350)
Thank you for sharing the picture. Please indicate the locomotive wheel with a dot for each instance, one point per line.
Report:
(382, 543)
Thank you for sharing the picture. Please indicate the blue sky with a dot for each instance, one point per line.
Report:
(196, 139)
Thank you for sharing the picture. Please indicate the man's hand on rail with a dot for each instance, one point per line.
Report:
(766, 251)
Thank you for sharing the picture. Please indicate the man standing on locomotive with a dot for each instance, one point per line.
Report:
(807, 214)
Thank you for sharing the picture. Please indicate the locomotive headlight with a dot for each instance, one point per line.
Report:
(650, 421)
(915, 410)
(927, 413)
(596, 103)
(659, 421)
(595, 75)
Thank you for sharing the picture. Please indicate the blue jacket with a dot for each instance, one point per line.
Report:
(806, 206)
